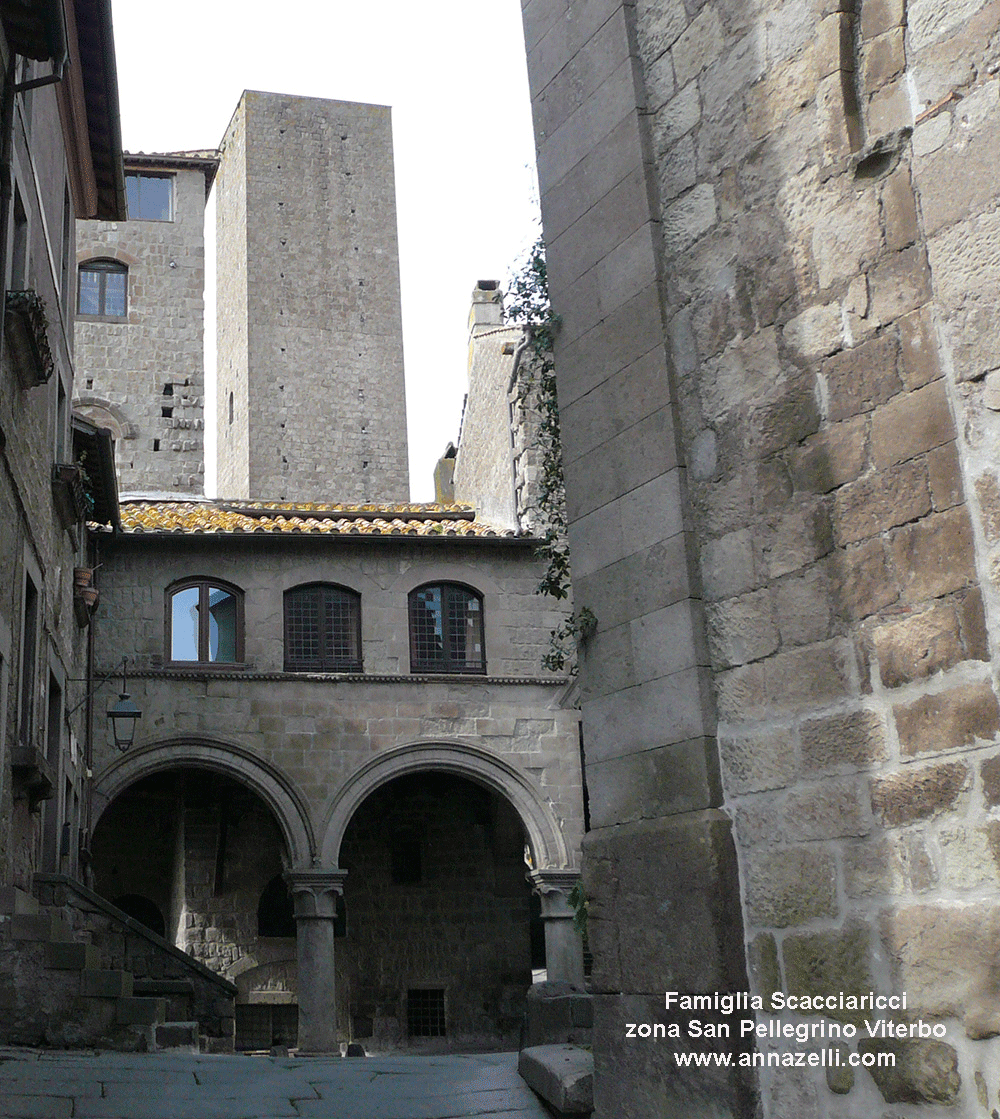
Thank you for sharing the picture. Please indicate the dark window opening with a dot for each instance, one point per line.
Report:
(103, 289)
(425, 1014)
(144, 911)
(168, 389)
(322, 629)
(275, 910)
(446, 629)
(166, 413)
(262, 1025)
(231, 409)
(156, 444)
(29, 668)
(150, 197)
(54, 725)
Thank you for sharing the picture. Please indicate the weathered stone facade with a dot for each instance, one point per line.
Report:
(154, 401)
(311, 400)
(256, 764)
(44, 735)
(771, 240)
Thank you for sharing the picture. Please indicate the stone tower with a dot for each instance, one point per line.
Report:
(139, 333)
(310, 354)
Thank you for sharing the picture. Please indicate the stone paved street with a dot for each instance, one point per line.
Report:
(62, 1085)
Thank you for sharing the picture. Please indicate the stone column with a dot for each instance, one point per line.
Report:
(563, 944)
(315, 894)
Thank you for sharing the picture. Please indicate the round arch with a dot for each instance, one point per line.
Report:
(548, 847)
(221, 757)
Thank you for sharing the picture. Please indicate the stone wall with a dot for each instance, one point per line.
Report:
(461, 927)
(310, 337)
(35, 542)
(770, 240)
(484, 469)
(316, 731)
(144, 378)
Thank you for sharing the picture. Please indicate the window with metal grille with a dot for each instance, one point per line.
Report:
(322, 629)
(261, 1025)
(102, 289)
(425, 1014)
(446, 629)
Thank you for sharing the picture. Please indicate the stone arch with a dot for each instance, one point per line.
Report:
(548, 847)
(264, 779)
(105, 414)
(106, 252)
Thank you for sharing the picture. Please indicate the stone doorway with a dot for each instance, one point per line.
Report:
(207, 854)
(435, 951)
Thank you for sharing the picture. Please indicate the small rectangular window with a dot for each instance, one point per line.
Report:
(150, 197)
(29, 667)
(425, 1012)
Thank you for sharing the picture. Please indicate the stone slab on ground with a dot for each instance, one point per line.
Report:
(563, 1075)
(48, 1084)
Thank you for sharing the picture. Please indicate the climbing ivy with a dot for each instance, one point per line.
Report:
(527, 304)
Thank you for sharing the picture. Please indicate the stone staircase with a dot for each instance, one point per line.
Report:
(55, 993)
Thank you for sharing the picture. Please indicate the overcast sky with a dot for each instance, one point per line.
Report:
(453, 72)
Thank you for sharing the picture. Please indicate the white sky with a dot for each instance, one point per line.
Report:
(453, 72)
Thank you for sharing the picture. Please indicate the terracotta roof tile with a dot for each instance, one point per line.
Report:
(204, 517)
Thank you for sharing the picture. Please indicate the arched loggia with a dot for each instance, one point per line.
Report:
(545, 839)
(220, 757)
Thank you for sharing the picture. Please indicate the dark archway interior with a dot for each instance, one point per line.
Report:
(143, 910)
(199, 858)
(438, 944)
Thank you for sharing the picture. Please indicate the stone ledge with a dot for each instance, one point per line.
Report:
(563, 1075)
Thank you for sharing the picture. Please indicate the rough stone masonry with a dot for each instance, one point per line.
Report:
(774, 241)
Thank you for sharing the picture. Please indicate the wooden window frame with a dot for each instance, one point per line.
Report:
(103, 267)
(203, 583)
(349, 596)
(446, 666)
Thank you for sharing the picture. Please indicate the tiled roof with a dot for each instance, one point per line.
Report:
(201, 517)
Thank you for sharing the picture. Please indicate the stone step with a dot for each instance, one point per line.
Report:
(14, 901)
(135, 1011)
(563, 1075)
(176, 1035)
(72, 957)
(101, 983)
(40, 926)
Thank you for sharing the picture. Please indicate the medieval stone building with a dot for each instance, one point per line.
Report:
(772, 238)
(341, 692)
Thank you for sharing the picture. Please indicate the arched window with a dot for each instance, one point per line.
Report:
(322, 629)
(446, 629)
(102, 290)
(204, 622)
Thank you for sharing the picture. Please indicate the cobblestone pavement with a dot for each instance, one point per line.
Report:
(73, 1085)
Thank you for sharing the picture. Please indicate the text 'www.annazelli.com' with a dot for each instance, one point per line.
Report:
(825, 1058)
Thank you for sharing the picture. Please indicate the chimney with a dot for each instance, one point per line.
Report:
(487, 305)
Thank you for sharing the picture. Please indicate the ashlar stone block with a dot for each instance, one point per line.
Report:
(790, 886)
(910, 424)
(919, 794)
(911, 648)
(826, 963)
(943, 721)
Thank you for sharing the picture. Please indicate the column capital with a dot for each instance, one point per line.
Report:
(315, 891)
(553, 888)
